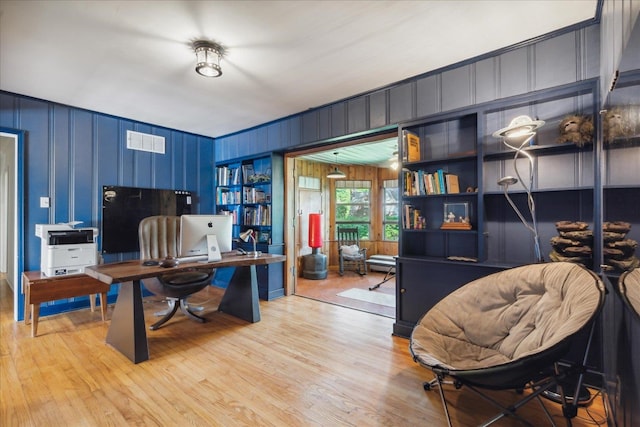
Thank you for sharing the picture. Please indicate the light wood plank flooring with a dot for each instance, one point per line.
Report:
(306, 363)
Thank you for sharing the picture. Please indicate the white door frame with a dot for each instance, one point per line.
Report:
(18, 208)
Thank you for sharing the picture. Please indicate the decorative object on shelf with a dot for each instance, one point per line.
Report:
(259, 177)
(615, 125)
(315, 263)
(245, 236)
(208, 56)
(521, 131)
(576, 129)
(574, 243)
(619, 252)
(456, 217)
(336, 173)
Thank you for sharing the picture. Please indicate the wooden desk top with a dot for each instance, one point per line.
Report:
(37, 277)
(126, 271)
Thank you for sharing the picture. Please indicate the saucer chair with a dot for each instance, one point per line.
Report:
(159, 238)
(507, 331)
(629, 286)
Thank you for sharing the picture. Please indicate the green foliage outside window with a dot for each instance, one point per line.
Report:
(390, 221)
(353, 208)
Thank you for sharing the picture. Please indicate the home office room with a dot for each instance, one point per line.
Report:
(176, 177)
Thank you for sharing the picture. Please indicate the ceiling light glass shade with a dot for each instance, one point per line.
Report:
(208, 58)
(336, 174)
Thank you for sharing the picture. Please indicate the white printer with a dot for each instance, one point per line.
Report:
(65, 249)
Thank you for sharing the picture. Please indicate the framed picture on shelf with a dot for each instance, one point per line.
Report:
(264, 236)
(456, 216)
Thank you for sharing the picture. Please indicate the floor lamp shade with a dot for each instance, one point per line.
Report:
(315, 230)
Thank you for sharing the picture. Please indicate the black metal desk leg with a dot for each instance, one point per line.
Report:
(127, 332)
(241, 297)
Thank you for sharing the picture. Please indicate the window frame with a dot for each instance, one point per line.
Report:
(354, 184)
(390, 183)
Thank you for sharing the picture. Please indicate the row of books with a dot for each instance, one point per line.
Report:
(257, 215)
(227, 176)
(253, 195)
(231, 212)
(225, 196)
(421, 183)
(412, 219)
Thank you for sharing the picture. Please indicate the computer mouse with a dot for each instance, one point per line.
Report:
(150, 262)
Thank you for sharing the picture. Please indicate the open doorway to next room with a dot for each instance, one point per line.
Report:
(366, 197)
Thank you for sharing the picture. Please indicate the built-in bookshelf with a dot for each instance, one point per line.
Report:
(457, 223)
(251, 190)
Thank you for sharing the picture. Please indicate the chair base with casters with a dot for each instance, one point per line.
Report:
(350, 254)
(177, 287)
(509, 331)
(159, 239)
(174, 304)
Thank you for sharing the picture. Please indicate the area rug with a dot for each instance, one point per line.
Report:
(369, 296)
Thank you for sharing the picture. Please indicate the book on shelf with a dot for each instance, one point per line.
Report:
(412, 218)
(441, 185)
(247, 173)
(453, 185)
(411, 146)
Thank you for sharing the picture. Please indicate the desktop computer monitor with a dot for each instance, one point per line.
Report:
(195, 228)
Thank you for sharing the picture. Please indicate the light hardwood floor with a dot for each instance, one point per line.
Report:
(306, 363)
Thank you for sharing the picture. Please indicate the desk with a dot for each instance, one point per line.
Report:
(39, 288)
(127, 332)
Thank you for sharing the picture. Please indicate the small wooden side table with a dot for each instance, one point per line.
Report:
(39, 288)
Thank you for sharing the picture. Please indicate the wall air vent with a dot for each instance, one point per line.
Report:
(145, 142)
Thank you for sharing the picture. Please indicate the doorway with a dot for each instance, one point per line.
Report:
(11, 214)
(309, 190)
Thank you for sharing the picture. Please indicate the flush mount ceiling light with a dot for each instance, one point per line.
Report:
(336, 173)
(208, 56)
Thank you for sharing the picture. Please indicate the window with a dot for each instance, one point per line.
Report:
(390, 218)
(353, 205)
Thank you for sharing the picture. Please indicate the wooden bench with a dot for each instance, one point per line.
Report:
(387, 263)
(39, 288)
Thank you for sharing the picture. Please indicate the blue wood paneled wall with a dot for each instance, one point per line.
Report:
(71, 153)
(566, 58)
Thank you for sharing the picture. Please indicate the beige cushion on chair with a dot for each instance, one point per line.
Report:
(506, 316)
(350, 250)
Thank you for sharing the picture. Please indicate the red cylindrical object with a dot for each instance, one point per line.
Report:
(315, 230)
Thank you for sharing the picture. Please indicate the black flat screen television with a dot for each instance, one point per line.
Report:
(124, 207)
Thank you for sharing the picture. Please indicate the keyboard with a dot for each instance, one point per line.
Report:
(193, 258)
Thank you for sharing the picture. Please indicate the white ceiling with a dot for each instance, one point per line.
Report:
(134, 59)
